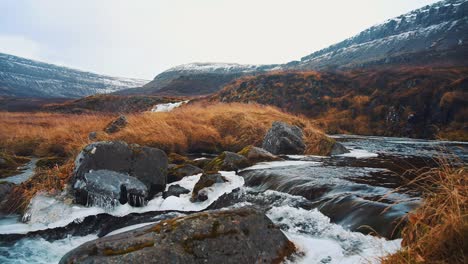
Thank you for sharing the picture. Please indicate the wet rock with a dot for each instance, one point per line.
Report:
(206, 180)
(107, 188)
(338, 149)
(177, 172)
(255, 154)
(148, 165)
(116, 125)
(229, 236)
(92, 136)
(227, 161)
(284, 139)
(175, 190)
(5, 190)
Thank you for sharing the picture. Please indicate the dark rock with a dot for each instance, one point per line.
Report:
(229, 236)
(201, 162)
(107, 188)
(255, 154)
(338, 149)
(177, 172)
(116, 125)
(227, 161)
(148, 165)
(5, 189)
(284, 139)
(92, 135)
(175, 190)
(2, 162)
(206, 180)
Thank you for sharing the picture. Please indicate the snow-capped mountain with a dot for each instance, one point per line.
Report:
(435, 35)
(28, 78)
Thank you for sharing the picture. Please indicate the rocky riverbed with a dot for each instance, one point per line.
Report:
(316, 209)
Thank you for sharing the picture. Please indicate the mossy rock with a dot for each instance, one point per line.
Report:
(178, 159)
(227, 161)
(256, 154)
(177, 172)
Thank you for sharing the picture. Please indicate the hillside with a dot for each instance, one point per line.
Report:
(435, 35)
(196, 78)
(415, 102)
(20, 77)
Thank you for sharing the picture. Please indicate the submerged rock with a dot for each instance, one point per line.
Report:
(206, 180)
(284, 139)
(116, 125)
(175, 190)
(147, 165)
(229, 236)
(177, 172)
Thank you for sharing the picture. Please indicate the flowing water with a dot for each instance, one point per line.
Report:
(326, 205)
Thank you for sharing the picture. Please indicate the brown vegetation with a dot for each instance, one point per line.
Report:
(437, 231)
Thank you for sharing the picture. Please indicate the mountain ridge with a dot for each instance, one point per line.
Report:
(22, 77)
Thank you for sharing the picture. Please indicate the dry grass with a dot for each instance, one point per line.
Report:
(192, 128)
(437, 231)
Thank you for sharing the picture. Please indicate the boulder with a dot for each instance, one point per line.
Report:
(206, 180)
(106, 188)
(5, 190)
(175, 190)
(177, 172)
(116, 125)
(148, 165)
(338, 149)
(256, 154)
(284, 139)
(227, 161)
(228, 236)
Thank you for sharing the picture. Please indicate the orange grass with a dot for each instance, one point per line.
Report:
(437, 232)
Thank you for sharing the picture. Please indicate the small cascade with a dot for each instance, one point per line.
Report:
(104, 201)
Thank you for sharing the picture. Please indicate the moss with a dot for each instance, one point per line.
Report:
(215, 164)
(50, 162)
(111, 252)
(10, 164)
(175, 158)
(245, 151)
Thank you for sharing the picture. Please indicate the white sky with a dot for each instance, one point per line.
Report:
(142, 38)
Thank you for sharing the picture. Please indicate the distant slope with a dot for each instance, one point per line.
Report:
(416, 102)
(435, 35)
(20, 77)
(196, 78)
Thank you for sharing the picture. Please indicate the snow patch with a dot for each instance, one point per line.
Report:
(167, 107)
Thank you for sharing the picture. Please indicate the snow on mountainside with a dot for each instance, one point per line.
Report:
(28, 78)
(436, 33)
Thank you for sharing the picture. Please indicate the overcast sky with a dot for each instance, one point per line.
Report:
(141, 38)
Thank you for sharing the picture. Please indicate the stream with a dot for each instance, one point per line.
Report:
(328, 206)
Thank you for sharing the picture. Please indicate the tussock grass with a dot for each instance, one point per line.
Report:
(437, 231)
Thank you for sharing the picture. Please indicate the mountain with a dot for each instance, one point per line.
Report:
(197, 78)
(20, 77)
(421, 102)
(435, 35)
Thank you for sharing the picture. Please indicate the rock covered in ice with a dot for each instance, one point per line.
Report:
(284, 139)
(147, 165)
(106, 188)
(227, 236)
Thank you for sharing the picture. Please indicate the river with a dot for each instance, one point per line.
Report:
(340, 209)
